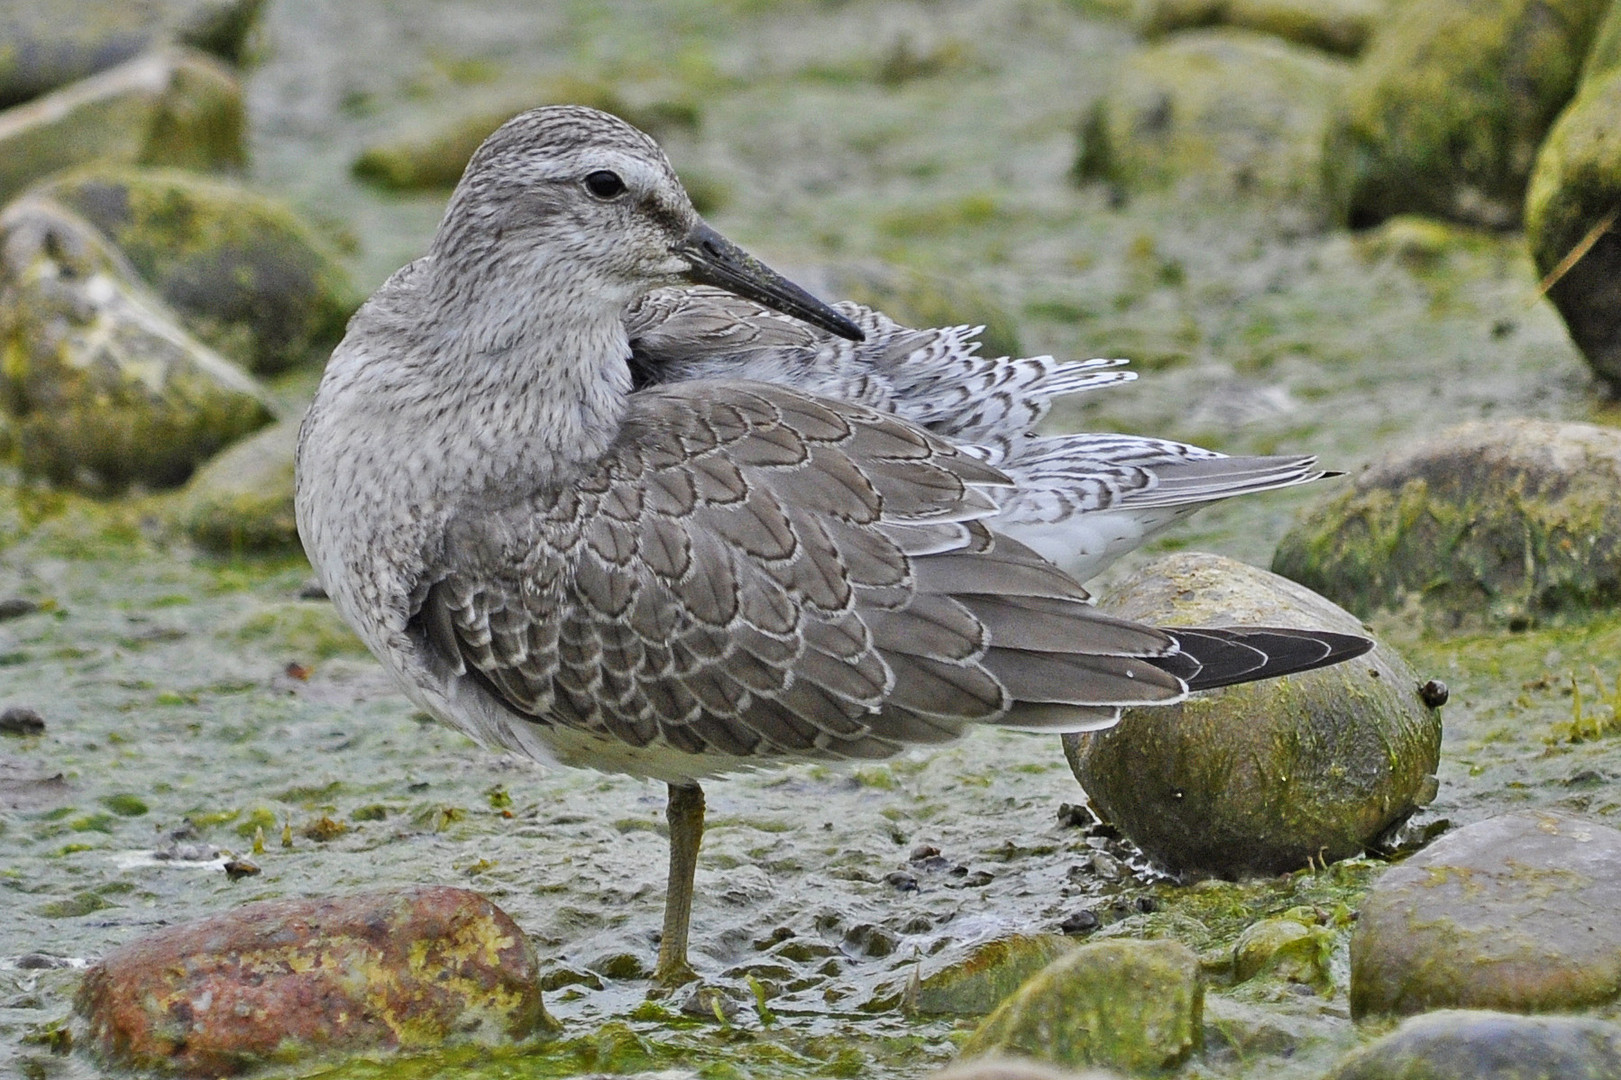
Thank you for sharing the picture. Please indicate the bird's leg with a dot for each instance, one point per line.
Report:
(685, 813)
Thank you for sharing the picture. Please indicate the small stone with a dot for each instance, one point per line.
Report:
(1479, 1045)
(16, 607)
(1516, 912)
(35, 961)
(1265, 777)
(410, 969)
(1434, 693)
(237, 869)
(1285, 948)
(21, 720)
(1135, 1005)
(1082, 922)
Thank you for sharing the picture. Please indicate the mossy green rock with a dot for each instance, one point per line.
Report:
(1290, 949)
(980, 981)
(1262, 777)
(1516, 912)
(1468, 1044)
(174, 107)
(247, 274)
(1133, 1005)
(1605, 54)
(1575, 189)
(242, 500)
(1445, 112)
(44, 50)
(1498, 522)
(103, 387)
(1337, 26)
(1229, 111)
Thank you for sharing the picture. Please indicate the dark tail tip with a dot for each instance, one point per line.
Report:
(1211, 658)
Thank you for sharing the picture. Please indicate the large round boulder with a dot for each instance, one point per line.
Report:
(1505, 522)
(1516, 912)
(1263, 777)
(1445, 112)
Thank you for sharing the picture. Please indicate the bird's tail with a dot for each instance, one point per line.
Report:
(1208, 658)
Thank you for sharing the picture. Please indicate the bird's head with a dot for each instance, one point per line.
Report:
(583, 202)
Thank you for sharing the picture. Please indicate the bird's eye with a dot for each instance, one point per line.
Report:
(604, 184)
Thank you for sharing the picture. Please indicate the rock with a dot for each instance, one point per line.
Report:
(171, 107)
(102, 387)
(433, 155)
(1135, 1005)
(243, 499)
(21, 720)
(245, 272)
(1516, 912)
(405, 969)
(1477, 1045)
(1605, 53)
(1337, 26)
(1575, 189)
(1228, 111)
(1444, 114)
(1274, 1030)
(1291, 949)
(980, 981)
(45, 51)
(1263, 777)
(1503, 522)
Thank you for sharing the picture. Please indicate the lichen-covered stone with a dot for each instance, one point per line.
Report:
(1517, 912)
(174, 106)
(244, 271)
(1235, 112)
(980, 981)
(1575, 188)
(242, 500)
(1504, 522)
(44, 51)
(1468, 1044)
(433, 155)
(283, 980)
(1445, 112)
(1337, 26)
(1134, 1005)
(1293, 949)
(102, 386)
(1262, 777)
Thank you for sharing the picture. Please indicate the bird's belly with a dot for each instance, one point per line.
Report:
(1085, 544)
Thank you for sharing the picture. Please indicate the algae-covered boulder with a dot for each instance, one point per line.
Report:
(174, 106)
(247, 275)
(1337, 26)
(102, 386)
(1571, 206)
(44, 50)
(1447, 107)
(242, 500)
(1134, 1005)
(1469, 1044)
(1502, 522)
(1229, 111)
(1517, 912)
(1262, 777)
(1294, 949)
(279, 980)
(979, 982)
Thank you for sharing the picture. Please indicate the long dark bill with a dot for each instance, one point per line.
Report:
(717, 261)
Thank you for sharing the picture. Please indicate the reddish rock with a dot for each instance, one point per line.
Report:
(284, 979)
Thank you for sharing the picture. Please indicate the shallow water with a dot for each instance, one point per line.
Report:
(935, 135)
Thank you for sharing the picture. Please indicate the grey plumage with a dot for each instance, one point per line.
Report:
(584, 512)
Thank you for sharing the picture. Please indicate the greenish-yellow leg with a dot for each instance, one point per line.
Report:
(685, 813)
